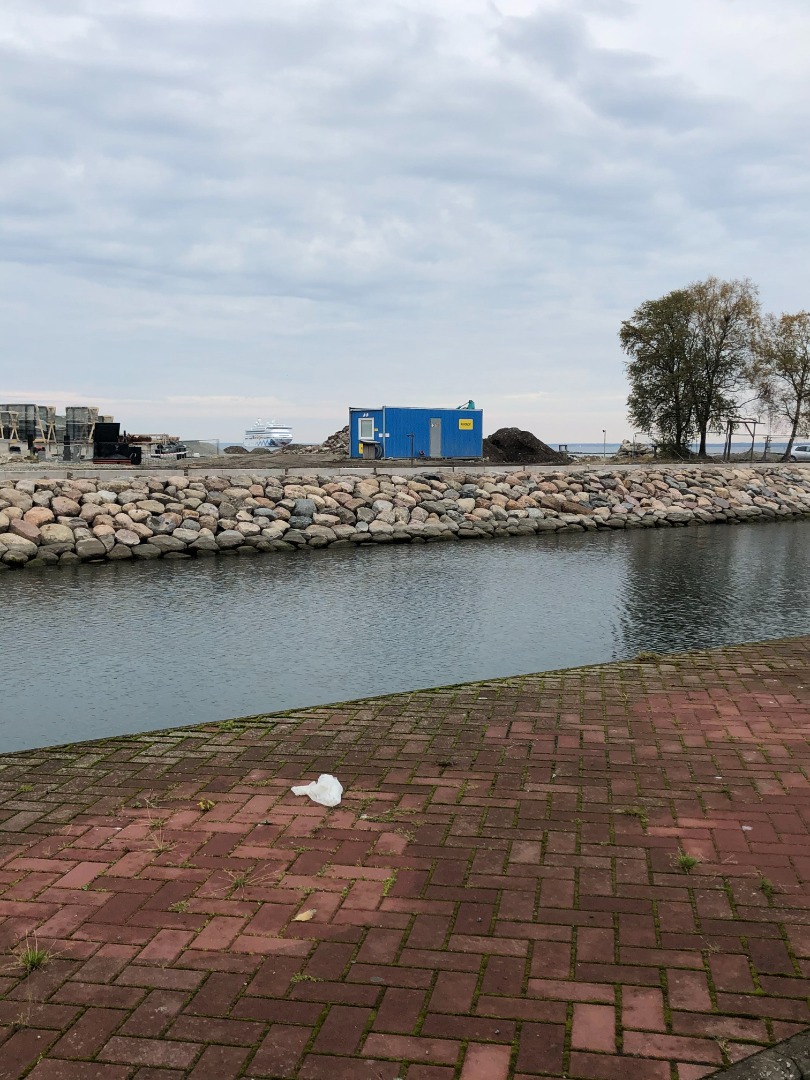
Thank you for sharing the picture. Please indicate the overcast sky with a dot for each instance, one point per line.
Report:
(215, 211)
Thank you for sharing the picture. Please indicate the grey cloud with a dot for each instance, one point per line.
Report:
(368, 189)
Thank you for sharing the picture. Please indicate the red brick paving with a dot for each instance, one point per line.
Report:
(497, 896)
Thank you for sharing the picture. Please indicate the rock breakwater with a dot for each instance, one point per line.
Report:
(51, 521)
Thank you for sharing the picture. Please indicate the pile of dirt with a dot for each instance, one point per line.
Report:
(515, 447)
(234, 450)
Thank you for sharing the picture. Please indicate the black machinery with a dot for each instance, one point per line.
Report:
(113, 448)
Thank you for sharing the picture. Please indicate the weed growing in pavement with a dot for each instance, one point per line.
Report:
(685, 862)
(205, 805)
(243, 879)
(239, 878)
(767, 888)
(180, 908)
(160, 845)
(29, 956)
(301, 977)
(636, 812)
(389, 883)
(649, 655)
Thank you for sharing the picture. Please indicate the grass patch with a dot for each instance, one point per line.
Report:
(30, 956)
(389, 883)
(637, 812)
(685, 862)
(767, 888)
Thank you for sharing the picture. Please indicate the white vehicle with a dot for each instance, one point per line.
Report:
(801, 452)
(267, 435)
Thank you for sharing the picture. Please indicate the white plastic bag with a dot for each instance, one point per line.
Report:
(326, 790)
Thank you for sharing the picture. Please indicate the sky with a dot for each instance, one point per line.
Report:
(213, 212)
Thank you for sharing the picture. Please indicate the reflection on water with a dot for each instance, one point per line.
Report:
(92, 651)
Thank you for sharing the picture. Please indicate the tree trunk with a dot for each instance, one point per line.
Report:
(792, 439)
(702, 447)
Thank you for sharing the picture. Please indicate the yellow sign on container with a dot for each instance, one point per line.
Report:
(465, 425)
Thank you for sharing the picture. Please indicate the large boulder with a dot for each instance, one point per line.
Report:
(19, 545)
(188, 536)
(20, 499)
(90, 548)
(127, 538)
(38, 515)
(167, 543)
(56, 534)
(120, 551)
(64, 507)
(229, 538)
(21, 527)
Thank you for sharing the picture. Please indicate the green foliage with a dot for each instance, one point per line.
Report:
(689, 355)
(658, 340)
(30, 957)
(780, 371)
(686, 862)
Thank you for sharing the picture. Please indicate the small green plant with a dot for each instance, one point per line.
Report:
(29, 956)
(227, 725)
(649, 655)
(301, 977)
(637, 812)
(25, 788)
(180, 908)
(241, 879)
(389, 883)
(767, 887)
(686, 862)
(205, 805)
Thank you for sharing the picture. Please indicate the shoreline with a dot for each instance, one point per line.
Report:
(53, 521)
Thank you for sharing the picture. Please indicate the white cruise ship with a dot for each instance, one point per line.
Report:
(267, 435)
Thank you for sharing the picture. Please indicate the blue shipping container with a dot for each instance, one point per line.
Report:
(395, 431)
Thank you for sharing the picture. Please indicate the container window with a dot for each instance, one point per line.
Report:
(366, 426)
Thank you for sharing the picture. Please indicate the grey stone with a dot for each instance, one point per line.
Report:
(17, 557)
(229, 538)
(90, 548)
(19, 545)
(188, 536)
(127, 538)
(146, 551)
(120, 551)
(167, 543)
(304, 508)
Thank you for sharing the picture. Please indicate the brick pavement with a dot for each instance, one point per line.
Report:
(499, 895)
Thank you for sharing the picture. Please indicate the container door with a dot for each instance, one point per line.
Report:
(435, 437)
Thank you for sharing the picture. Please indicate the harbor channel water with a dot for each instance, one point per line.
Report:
(95, 651)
